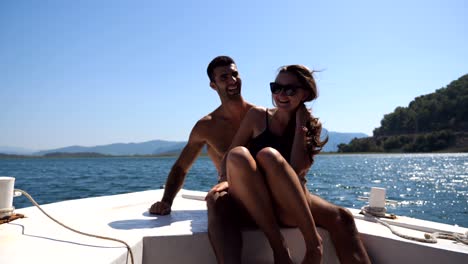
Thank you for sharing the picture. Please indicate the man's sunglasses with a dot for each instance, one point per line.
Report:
(289, 90)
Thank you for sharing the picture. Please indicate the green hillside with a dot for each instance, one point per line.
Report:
(432, 122)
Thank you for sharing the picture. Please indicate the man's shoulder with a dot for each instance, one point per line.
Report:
(212, 117)
(216, 118)
(205, 123)
(206, 120)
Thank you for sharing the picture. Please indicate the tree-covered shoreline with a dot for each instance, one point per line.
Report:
(436, 122)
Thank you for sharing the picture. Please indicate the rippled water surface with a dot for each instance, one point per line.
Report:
(427, 186)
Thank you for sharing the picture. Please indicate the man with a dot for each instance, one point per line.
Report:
(216, 130)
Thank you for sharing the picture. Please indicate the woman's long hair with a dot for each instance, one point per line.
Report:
(314, 127)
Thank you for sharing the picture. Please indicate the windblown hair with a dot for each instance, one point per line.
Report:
(314, 127)
(218, 62)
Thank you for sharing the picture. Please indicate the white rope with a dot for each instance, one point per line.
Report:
(376, 212)
(74, 230)
(462, 238)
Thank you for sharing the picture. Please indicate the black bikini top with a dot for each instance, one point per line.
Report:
(281, 143)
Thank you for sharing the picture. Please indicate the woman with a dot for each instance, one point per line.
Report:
(269, 158)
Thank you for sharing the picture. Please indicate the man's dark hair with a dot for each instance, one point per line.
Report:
(217, 62)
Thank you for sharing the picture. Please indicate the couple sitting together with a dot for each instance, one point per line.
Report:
(262, 157)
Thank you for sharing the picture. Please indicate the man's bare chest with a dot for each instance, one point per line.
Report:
(221, 136)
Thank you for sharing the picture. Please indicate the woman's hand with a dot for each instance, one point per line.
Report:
(300, 160)
(302, 116)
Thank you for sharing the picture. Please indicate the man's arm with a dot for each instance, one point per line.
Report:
(178, 172)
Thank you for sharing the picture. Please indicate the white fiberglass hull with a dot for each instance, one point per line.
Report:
(182, 236)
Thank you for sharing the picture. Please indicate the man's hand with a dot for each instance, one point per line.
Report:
(214, 193)
(160, 208)
(220, 187)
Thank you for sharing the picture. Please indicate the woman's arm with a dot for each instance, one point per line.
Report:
(243, 135)
(300, 160)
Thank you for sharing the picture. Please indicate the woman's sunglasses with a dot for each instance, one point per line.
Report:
(289, 90)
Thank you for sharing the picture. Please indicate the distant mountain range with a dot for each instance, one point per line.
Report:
(16, 150)
(160, 147)
(153, 147)
(336, 138)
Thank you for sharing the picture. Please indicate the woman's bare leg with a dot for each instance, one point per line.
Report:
(342, 229)
(248, 186)
(288, 194)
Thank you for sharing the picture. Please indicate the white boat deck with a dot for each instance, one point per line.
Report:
(181, 237)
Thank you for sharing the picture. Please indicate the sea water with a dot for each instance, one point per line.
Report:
(427, 186)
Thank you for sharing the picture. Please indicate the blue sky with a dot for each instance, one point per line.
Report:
(99, 72)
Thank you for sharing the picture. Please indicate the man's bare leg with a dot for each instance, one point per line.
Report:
(339, 223)
(224, 233)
